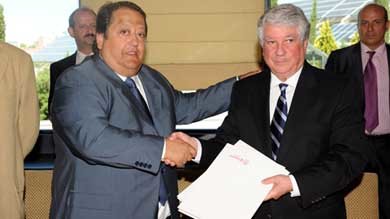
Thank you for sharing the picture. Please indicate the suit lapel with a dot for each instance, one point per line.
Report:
(357, 65)
(304, 96)
(158, 109)
(72, 60)
(122, 89)
(260, 102)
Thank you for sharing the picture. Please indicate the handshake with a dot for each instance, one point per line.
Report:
(180, 148)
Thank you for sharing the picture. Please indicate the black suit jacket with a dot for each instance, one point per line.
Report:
(348, 62)
(56, 68)
(322, 144)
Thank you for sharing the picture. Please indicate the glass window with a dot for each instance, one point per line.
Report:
(334, 25)
(40, 28)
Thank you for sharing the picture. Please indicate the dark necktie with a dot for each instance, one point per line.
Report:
(370, 95)
(279, 120)
(141, 102)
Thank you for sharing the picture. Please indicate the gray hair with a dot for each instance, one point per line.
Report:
(284, 14)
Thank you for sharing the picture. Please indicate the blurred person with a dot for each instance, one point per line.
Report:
(297, 115)
(19, 126)
(367, 64)
(82, 27)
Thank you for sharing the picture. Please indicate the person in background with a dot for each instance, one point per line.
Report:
(367, 64)
(19, 126)
(297, 115)
(112, 116)
(82, 27)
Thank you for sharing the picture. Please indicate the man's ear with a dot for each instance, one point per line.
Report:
(99, 40)
(71, 31)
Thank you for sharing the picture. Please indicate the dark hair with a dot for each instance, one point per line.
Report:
(71, 17)
(104, 15)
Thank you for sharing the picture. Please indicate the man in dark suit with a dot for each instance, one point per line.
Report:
(301, 117)
(112, 116)
(82, 24)
(353, 62)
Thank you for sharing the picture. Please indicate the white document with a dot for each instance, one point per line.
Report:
(231, 187)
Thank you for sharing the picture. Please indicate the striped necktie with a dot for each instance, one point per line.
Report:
(279, 120)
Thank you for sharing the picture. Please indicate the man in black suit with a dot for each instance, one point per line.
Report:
(316, 131)
(82, 27)
(352, 62)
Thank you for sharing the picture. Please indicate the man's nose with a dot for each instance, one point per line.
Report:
(280, 49)
(133, 39)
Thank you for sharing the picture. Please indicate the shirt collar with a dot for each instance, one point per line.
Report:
(80, 56)
(292, 81)
(123, 78)
(379, 51)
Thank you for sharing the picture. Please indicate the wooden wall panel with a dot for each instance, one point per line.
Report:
(186, 37)
(201, 52)
(203, 27)
(189, 6)
(194, 76)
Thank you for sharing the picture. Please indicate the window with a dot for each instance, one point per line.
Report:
(40, 28)
(337, 17)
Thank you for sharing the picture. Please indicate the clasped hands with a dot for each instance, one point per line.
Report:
(180, 148)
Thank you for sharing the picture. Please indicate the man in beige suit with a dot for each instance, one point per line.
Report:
(19, 126)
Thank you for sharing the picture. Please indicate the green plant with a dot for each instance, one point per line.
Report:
(325, 40)
(2, 24)
(42, 79)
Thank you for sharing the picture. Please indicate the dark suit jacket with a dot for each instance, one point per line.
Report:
(322, 144)
(108, 152)
(348, 62)
(56, 68)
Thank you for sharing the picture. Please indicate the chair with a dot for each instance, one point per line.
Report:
(38, 193)
(362, 201)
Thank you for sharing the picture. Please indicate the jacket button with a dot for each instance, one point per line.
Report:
(149, 166)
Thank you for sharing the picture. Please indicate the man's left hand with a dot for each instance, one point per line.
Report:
(282, 185)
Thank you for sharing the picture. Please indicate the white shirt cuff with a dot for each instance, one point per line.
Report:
(295, 190)
(198, 151)
(164, 148)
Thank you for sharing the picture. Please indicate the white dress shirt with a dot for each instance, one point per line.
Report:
(273, 99)
(81, 56)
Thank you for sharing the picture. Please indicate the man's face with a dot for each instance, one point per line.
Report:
(84, 29)
(372, 26)
(283, 50)
(123, 46)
